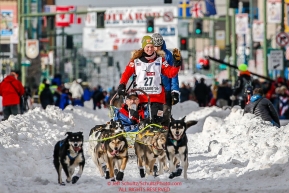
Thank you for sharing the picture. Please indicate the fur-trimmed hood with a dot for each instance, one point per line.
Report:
(138, 53)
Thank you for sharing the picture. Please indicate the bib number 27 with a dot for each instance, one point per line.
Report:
(148, 81)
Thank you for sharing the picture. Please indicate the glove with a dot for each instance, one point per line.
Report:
(233, 97)
(177, 57)
(175, 98)
(121, 90)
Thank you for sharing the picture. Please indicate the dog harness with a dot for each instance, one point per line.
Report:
(68, 153)
(71, 158)
(173, 140)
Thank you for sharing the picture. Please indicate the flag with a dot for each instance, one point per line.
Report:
(74, 19)
(79, 20)
(62, 20)
(184, 9)
(72, 16)
(211, 8)
(196, 10)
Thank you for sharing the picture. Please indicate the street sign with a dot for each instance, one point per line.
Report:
(25, 63)
(282, 39)
(32, 48)
(276, 60)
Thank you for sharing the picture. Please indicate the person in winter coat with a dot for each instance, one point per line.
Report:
(202, 93)
(41, 86)
(77, 91)
(262, 107)
(171, 85)
(242, 89)
(282, 102)
(11, 91)
(87, 94)
(185, 93)
(46, 97)
(130, 113)
(148, 66)
(97, 97)
(65, 99)
(223, 94)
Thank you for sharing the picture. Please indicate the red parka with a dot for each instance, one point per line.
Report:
(9, 93)
(167, 70)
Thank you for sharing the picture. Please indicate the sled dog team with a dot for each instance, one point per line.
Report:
(108, 147)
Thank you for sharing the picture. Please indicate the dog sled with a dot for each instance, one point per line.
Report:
(149, 126)
(111, 146)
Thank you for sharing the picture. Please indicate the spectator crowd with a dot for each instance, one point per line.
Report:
(220, 94)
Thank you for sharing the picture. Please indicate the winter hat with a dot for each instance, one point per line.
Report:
(146, 40)
(245, 73)
(130, 94)
(157, 39)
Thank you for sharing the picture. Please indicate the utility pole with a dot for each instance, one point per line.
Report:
(19, 38)
(251, 30)
(265, 39)
(282, 30)
(234, 43)
(28, 7)
(22, 44)
(213, 43)
(227, 40)
(62, 52)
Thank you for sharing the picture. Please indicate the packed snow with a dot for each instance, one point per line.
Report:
(228, 152)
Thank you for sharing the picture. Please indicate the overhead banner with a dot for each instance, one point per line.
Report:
(32, 48)
(274, 11)
(241, 23)
(6, 22)
(134, 16)
(258, 31)
(123, 39)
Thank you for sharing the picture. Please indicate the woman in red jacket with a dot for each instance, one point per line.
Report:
(148, 66)
(11, 91)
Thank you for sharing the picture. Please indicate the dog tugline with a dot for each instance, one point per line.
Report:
(137, 125)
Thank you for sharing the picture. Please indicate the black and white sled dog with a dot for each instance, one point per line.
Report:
(177, 146)
(68, 154)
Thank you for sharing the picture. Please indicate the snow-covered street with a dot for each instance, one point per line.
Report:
(228, 152)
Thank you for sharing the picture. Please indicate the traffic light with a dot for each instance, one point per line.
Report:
(150, 24)
(69, 42)
(234, 4)
(110, 61)
(198, 27)
(168, 1)
(183, 44)
(100, 19)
